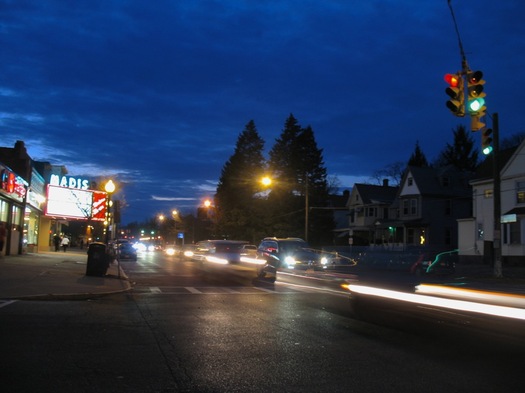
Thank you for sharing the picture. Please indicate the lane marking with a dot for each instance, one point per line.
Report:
(4, 303)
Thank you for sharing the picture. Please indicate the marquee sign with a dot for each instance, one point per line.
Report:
(69, 182)
(75, 203)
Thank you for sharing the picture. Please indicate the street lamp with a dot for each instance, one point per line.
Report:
(267, 181)
(177, 218)
(110, 189)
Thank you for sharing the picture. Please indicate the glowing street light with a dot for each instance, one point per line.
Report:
(266, 181)
(110, 189)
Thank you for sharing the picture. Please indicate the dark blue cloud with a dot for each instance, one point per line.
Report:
(156, 93)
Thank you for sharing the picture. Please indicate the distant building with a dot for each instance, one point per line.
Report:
(476, 233)
(421, 212)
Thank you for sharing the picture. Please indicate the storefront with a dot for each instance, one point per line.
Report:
(33, 212)
(13, 191)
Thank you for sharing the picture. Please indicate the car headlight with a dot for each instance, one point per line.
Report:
(290, 261)
(324, 261)
(170, 251)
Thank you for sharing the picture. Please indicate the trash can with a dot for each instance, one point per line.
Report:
(98, 260)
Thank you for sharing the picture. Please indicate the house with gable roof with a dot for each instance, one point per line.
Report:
(367, 205)
(421, 212)
(476, 233)
(429, 202)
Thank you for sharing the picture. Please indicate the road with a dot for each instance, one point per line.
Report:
(178, 331)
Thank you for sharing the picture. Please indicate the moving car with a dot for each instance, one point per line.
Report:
(126, 251)
(443, 263)
(291, 253)
(231, 257)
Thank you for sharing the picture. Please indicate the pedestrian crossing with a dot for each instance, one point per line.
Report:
(229, 290)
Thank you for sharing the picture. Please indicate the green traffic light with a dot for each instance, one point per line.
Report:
(486, 141)
(475, 105)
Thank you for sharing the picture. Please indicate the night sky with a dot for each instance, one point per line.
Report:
(155, 93)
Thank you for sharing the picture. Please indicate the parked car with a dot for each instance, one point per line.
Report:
(443, 263)
(231, 257)
(291, 253)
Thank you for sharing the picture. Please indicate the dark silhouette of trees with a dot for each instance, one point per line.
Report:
(300, 179)
(238, 210)
(461, 154)
(417, 158)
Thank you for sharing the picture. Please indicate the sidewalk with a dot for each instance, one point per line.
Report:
(56, 276)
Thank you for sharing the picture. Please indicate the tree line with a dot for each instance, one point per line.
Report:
(298, 202)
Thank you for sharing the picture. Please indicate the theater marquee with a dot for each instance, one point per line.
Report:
(75, 203)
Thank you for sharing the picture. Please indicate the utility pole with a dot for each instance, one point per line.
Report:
(497, 199)
(306, 207)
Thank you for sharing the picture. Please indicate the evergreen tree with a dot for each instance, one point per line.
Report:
(299, 173)
(418, 158)
(461, 154)
(235, 201)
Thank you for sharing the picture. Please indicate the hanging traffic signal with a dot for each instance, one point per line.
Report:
(486, 141)
(455, 91)
(475, 101)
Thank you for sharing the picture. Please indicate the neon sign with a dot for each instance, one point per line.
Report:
(69, 182)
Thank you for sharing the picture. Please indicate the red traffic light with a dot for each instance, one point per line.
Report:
(455, 91)
(452, 79)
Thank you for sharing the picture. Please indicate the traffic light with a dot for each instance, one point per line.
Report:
(486, 141)
(455, 91)
(475, 101)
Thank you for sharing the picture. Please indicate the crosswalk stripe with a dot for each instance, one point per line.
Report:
(278, 290)
(193, 290)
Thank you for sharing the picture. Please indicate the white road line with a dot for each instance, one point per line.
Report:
(192, 290)
(4, 303)
(155, 290)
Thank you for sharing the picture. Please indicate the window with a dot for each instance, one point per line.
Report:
(410, 181)
(520, 192)
(371, 212)
(512, 233)
(488, 193)
(410, 236)
(448, 207)
(4, 209)
(413, 207)
(410, 207)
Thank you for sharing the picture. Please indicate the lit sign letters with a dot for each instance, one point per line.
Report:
(69, 182)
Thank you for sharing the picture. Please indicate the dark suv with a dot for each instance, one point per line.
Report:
(290, 253)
